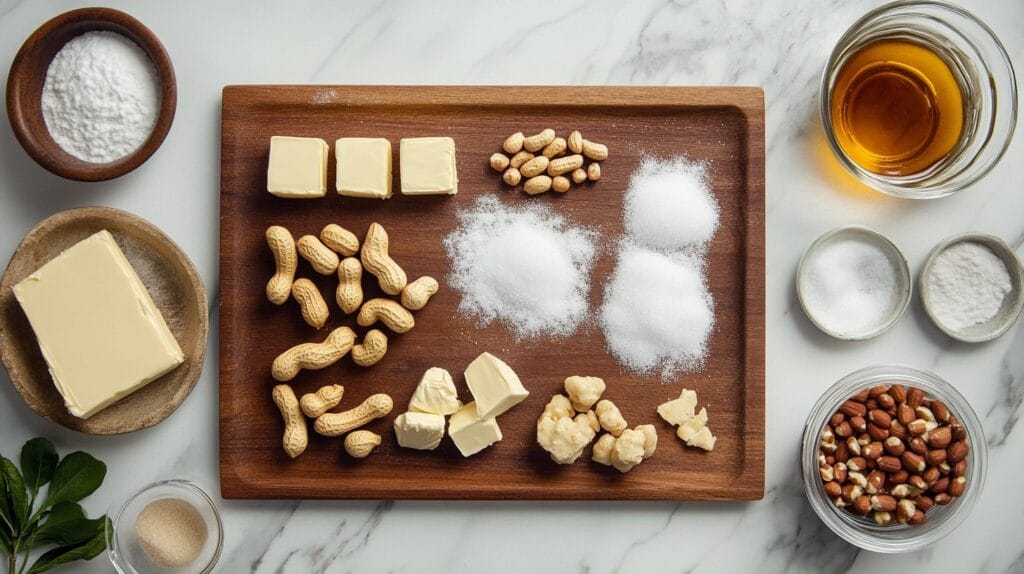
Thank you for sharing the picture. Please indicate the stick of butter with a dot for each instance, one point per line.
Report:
(472, 433)
(297, 167)
(101, 334)
(495, 386)
(421, 431)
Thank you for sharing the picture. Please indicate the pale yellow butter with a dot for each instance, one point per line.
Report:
(421, 431)
(428, 166)
(364, 167)
(97, 327)
(495, 386)
(472, 433)
(297, 167)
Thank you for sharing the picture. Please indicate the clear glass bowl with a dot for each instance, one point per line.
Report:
(862, 531)
(123, 547)
(987, 80)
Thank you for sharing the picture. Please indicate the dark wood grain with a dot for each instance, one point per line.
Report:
(724, 126)
(28, 73)
(172, 282)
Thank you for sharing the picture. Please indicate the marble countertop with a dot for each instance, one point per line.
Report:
(779, 45)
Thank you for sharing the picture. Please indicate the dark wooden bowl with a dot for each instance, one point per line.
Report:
(172, 282)
(25, 91)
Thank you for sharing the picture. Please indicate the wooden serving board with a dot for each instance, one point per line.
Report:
(724, 126)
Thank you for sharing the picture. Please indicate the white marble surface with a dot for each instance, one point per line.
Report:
(781, 45)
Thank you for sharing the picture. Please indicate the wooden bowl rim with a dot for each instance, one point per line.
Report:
(194, 356)
(30, 129)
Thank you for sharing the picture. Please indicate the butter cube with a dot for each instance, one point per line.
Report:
(364, 167)
(102, 336)
(435, 394)
(472, 433)
(421, 431)
(428, 166)
(495, 386)
(297, 167)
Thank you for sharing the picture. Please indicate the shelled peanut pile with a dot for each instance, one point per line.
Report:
(892, 454)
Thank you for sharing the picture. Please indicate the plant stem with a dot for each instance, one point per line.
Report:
(12, 563)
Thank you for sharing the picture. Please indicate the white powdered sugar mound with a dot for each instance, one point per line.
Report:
(669, 205)
(658, 313)
(524, 266)
(968, 283)
(101, 97)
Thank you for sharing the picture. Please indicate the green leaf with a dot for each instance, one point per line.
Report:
(6, 522)
(16, 495)
(5, 539)
(87, 550)
(38, 461)
(66, 524)
(76, 477)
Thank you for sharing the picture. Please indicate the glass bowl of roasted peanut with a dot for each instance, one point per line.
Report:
(893, 458)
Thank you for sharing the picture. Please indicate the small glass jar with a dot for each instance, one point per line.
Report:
(128, 556)
(860, 530)
(987, 86)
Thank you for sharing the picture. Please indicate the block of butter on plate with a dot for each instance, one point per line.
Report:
(97, 326)
(427, 166)
(494, 385)
(297, 167)
(363, 167)
(472, 433)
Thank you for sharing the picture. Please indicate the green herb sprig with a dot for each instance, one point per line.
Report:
(59, 521)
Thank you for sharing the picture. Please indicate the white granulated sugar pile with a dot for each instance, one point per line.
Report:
(525, 267)
(669, 205)
(849, 286)
(966, 285)
(658, 313)
(101, 97)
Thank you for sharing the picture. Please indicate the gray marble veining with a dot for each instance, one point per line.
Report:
(779, 45)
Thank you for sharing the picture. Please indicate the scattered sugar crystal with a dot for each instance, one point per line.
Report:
(657, 313)
(669, 205)
(523, 266)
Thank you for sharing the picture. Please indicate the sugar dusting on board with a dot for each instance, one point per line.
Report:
(658, 313)
(525, 267)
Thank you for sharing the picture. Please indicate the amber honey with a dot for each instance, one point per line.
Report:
(897, 108)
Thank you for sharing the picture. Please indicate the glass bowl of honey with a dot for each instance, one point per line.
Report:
(919, 99)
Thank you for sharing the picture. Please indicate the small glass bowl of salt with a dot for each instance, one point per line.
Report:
(971, 287)
(171, 526)
(853, 283)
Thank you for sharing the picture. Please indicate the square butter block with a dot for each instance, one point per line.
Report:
(428, 166)
(297, 167)
(472, 433)
(494, 385)
(364, 167)
(97, 327)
